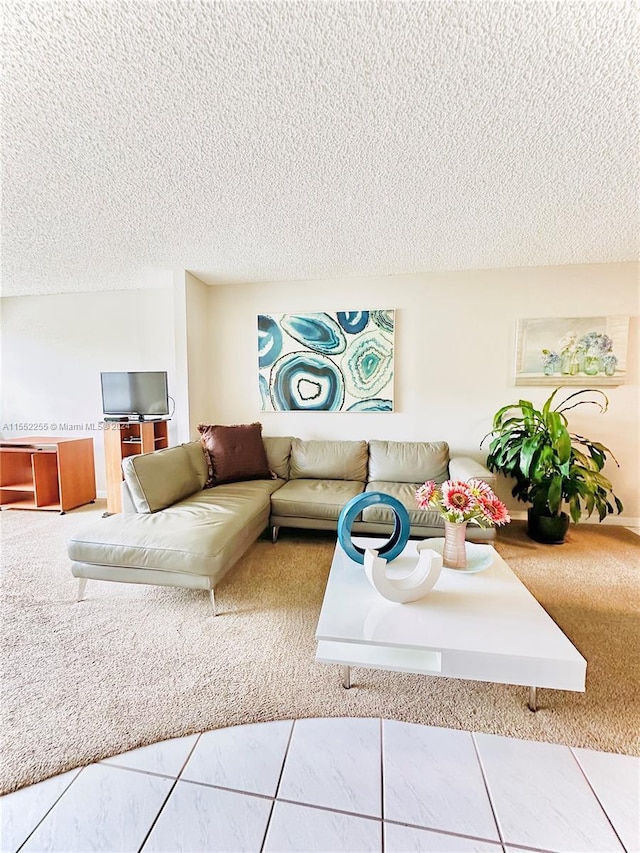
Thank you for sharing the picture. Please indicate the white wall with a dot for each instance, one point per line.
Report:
(193, 382)
(54, 348)
(181, 389)
(201, 382)
(455, 336)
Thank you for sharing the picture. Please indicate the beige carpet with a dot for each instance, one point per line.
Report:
(132, 665)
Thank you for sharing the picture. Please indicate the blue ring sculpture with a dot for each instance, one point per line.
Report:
(354, 507)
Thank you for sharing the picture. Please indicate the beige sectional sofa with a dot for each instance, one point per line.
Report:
(176, 532)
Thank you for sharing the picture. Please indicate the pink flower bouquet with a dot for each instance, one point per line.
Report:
(458, 501)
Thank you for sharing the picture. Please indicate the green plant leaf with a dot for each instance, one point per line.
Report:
(574, 509)
(547, 406)
(598, 457)
(528, 413)
(604, 450)
(579, 457)
(546, 460)
(554, 498)
(497, 418)
(560, 437)
(529, 447)
(602, 406)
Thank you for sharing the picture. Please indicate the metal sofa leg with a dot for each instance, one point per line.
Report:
(274, 533)
(212, 599)
(82, 583)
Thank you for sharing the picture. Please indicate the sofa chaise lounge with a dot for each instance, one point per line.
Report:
(175, 532)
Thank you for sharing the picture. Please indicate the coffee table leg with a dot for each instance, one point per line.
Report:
(346, 677)
(533, 699)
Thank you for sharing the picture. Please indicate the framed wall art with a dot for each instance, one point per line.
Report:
(338, 361)
(585, 351)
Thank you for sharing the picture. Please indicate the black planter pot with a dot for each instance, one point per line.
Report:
(548, 529)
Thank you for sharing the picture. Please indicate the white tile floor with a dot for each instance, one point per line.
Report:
(331, 785)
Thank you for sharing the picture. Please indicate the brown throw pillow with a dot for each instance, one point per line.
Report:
(236, 453)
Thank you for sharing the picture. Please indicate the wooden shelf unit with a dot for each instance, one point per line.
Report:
(129, 438)
(46, 473)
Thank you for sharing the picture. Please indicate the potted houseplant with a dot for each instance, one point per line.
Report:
(553, 468)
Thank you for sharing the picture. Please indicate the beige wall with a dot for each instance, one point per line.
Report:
(455, 335)
(54, 348)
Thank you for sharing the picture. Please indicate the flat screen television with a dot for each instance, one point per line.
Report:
(136, 394)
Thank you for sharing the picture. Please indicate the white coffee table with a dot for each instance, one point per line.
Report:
(485, 627)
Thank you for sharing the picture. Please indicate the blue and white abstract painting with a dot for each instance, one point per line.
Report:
(338, 361)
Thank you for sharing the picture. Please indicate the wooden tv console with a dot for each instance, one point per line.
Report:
(46, 473)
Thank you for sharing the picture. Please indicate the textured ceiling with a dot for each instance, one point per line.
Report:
(252, 141)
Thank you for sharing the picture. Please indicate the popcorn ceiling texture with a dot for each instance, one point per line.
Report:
(251, 141)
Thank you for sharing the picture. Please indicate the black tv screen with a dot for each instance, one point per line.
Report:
(139, 393)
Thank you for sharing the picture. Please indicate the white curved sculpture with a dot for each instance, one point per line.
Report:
(420, 581)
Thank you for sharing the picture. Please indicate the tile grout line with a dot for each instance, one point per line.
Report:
(301, 803)
(267, 825)
(327, 809)
(593, 791)
(55, 803)
(526, 849)
(171, 790)
(284, 759)
(157, 775)
(186, 761)
(382, 833)
(447, 832)
(494, 810)
(278, 783)
(158, 813)
(253, 794)
(108, 762)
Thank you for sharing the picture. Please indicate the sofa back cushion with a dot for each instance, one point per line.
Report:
(199, 460)
(236, 452)
(328, 460)
(278, 450)
(408, 461)
(160, 479)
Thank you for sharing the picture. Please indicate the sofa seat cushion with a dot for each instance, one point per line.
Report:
(233, 497)
(191, 537)
(405, 493)
(314, 498)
